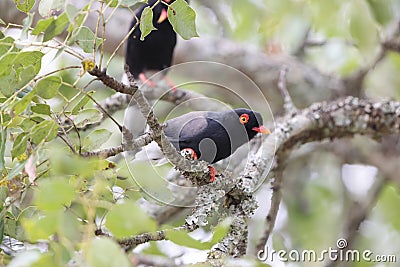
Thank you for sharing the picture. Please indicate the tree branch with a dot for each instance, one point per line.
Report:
(288, 104)
(132, 242)
(337, 119)
(273, 210)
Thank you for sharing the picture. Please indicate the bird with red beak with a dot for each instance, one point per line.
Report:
(208, 136)
(155, 52)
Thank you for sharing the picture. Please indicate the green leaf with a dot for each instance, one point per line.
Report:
(19, 145)
(95, 139)
(182, 18)
(3, 139)
(221, 230)
(16, 69)
(28, 123)
(8, 82)
(2, 22)
(24, 76)
(30, 58)
(26, 23)
(42, 25)
(41, 109)
(71, 11)
(5, 119)
(1, 229)
(85, 38)
(64, 164)
(112, 3)
(16, 170)
(51, 27)
(182, 238)
(40, 227)
(56, 27)
(48, 87)
(24, 5)
(82, 102)
(87, 116)
(22, 104)
(47, 7)
(124, 220)
(3, 194)
(76, 16)
(146, 23)
(54, 194)
(6, 44)
(46, 130)
(155, 188)
(382, 10)
(103, 252)
(130, 2)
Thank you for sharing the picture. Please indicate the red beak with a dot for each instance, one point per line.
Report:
(261, 129)
(163, 16)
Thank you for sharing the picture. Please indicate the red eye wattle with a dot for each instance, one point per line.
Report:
(244, 118)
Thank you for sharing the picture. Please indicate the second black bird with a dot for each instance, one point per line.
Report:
(156, 50)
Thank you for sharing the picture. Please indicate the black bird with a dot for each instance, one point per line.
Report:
(208, 136)
(156, 50)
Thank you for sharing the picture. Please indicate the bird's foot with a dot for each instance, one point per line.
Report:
(212, 173)
(189, 154)
(144, 80)
(170, 83)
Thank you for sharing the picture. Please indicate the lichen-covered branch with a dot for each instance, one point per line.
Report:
(132, 242)
(128, 145)
(337, 119)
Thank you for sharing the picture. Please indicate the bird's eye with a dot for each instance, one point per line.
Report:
(244, 118)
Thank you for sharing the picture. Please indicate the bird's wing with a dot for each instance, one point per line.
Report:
(185, 127)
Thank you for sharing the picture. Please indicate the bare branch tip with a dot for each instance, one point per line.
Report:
(288, 104)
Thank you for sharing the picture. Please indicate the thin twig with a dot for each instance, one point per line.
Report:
(128, 145)
(132, 242)
(104, 153)
(273, 210)
(288, 104)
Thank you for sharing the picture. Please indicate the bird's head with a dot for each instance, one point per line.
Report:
(252, 121)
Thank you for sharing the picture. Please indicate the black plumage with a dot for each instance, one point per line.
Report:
(156, 50)
(213, 136)
(206, 135)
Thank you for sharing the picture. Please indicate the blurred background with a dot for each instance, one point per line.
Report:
(332, 49)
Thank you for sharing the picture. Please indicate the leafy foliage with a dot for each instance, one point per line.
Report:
(46, 106)
(42, 109)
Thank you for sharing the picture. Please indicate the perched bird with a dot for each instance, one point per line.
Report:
(208, 136)
(156, 50)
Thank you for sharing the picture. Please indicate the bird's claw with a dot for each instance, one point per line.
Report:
(212, 173)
